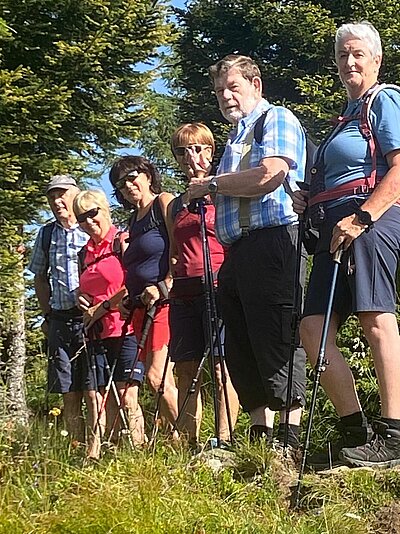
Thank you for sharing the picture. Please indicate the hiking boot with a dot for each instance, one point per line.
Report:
(382, 451)
(351, 436)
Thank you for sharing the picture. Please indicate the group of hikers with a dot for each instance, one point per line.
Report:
(107, 290)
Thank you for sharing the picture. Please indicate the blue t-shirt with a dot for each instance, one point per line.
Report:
(347, 156)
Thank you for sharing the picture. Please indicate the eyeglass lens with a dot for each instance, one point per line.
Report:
(83, 217)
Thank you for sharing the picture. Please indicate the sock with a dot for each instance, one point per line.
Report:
(293, 435)
(354, 419)
(393, 423)
(261, 432)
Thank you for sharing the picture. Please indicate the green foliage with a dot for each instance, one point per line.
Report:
(71, 93)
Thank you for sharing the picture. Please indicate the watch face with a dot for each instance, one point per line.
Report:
(364, 217)
(106, 304)
(213, 186)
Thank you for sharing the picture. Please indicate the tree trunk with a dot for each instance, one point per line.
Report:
(13, 398)
(17, 407)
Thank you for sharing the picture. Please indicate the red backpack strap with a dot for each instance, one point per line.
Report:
(366, 128)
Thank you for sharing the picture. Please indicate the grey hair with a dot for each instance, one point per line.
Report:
(364, 31)
(247, 67)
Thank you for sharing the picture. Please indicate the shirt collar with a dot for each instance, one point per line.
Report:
(108, 238)
(250, 119)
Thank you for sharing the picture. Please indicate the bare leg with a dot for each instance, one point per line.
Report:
(337, 380)
(294, 416)
(233, 403)
(96, 429)
(74, 421)
(382, 333)
(155, 362)
(191, 419)
(134, 411)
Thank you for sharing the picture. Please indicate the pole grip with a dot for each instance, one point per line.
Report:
(337, 255)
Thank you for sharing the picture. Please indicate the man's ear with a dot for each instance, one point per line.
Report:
(257, 84)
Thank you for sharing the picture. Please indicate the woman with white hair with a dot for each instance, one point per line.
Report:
(101, 286)
(353, 198)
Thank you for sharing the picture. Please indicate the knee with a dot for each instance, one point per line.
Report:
(154, 379)
(307, 333)
(378, 327)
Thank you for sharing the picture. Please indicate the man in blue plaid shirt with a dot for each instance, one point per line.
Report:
(256, 281)
(55, 266)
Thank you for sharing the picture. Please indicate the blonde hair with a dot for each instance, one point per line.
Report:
(247, 67)
(86, 200)
(191, 134)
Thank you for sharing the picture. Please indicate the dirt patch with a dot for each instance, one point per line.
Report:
(387, 520)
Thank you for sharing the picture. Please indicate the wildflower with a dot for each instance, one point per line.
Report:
(55, 411)
(64, 433)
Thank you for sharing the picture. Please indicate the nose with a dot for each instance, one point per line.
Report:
(226, 94)
(350, 60)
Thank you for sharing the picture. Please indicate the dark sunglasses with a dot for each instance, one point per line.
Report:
(129, 177)
(181, 150)
(83, 217)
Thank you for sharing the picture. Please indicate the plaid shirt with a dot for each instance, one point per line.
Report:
(63, 263)
(283, 136)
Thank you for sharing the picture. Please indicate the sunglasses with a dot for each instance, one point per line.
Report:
(181, 150)
(83, 217)
(129, 177)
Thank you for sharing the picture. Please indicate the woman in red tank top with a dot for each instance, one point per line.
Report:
(193, 147)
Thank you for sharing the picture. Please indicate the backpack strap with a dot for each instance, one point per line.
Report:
(244, 202)
(367, 184)
(177, 206)
(256, 133)
(46, 242)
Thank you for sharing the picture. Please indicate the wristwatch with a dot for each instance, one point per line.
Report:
(364, 217)
(213, 185)
(106, 304)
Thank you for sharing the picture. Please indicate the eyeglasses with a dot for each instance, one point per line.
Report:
(83, 217)
(180, 150)
(129, 177)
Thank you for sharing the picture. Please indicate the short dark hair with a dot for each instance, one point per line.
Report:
(140, 164)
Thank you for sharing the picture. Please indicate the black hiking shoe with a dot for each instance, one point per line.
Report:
(382, 451)
(351, 436)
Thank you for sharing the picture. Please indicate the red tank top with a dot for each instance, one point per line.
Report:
(187, 237)
(102, 279)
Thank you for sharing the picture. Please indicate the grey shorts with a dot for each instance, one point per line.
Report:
(367, 276)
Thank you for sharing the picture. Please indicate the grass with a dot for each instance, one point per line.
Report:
(47, 488)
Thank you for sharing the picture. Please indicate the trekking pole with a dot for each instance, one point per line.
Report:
(111, 383)
(160, 393)
(148, 321)
(192, 388)
(318, 370)
(213, 330)
(295, 319)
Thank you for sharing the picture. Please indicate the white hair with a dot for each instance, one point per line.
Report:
(364, 31)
